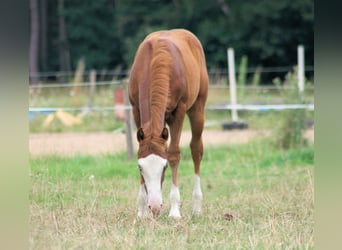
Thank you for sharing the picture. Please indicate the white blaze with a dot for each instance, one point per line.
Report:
(152, 168)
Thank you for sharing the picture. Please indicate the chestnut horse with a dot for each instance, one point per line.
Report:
(168, 79)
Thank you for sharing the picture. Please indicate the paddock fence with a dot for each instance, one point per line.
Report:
(218, 82)
(230, 95)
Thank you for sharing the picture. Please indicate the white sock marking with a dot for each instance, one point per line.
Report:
(174, 200)
(142, 202)
(197, 196)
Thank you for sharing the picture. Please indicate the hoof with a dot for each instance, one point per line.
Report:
(175, 215)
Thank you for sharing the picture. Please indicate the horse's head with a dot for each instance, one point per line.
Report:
(152, 166)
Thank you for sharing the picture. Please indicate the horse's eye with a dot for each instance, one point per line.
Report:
(139, 167)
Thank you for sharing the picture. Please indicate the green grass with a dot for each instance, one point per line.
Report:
(89, 202)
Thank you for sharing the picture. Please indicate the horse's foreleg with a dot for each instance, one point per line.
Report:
(174, 158)
(142, 201)
(196, 116)
(175, 123)
(142, 195)
(174, 197)
(197, 196)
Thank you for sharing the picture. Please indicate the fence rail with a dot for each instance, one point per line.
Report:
(119, 82)
(263, 107)
(123, 73)
(69, 85)
(251, 107)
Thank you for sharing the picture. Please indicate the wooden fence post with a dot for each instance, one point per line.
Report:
(92, 79)
(129, 127)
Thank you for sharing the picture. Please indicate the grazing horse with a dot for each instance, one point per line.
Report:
(168, 79)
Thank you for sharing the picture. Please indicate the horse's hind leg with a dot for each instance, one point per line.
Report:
(196, 117)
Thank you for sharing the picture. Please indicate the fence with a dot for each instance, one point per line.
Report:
(209, 107)
(234, 106)
(232, 86)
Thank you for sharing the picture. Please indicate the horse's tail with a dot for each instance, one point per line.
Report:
(161, 65)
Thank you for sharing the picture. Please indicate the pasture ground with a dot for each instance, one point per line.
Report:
(71, 143)
(255, 197)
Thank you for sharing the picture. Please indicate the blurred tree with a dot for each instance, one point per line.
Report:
(43, 36)
(107, 33)
(273, 29)
(34, 41)
(64, 53)
(92, 34)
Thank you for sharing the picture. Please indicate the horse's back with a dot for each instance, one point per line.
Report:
(188, 57)
(192, 56)
(184, 40)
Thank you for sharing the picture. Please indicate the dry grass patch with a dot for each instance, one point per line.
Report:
(254, 198)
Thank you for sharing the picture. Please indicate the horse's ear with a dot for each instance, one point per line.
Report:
(140, 135)
(165, 134)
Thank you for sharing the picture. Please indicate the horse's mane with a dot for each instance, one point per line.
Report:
(159, 79)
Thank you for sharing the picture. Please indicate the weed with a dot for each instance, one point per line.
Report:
(289, 130)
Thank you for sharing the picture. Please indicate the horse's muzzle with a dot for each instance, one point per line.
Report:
(155, 210)
(155, 205)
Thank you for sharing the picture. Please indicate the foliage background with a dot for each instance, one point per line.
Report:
(106, 33)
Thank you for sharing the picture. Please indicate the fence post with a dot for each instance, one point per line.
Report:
(128, 124)
(232, 83)
(78, 78)
(301, 70)
(92, 79)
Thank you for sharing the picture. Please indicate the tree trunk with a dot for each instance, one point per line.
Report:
(43, 36)
(34, 42)
(64, 56)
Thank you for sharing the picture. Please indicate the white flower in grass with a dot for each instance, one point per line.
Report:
(91, 179)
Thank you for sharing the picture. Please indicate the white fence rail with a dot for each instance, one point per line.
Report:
(124, 73)
(234, 106)
(263, 107)
(69, 85)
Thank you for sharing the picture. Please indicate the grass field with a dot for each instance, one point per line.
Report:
(255, 197)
